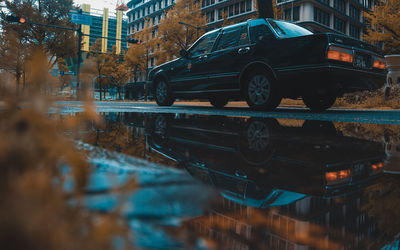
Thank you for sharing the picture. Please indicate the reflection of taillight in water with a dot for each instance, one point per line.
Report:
(337, 177)
(377, 167)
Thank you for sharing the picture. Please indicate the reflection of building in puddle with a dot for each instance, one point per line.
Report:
(392, 150)
(309, 223)
(388, 135)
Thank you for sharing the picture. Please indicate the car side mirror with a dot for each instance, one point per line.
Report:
(184, 53)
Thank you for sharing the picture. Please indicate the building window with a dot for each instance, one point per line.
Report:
(230, 10)
(149, 10)
(210, 16)
(143, 12)
(237, 9)
(165, 3)
(296, 14)
(220, 13)
(242, 7)
(340, 25)
(152, 62)
(321, 16)
(324, 1)
(354, 12)
(340, 5)
(159, 5)
(249, 5)
(354, 31)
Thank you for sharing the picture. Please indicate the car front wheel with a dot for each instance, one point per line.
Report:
(319, 102)
(261, 91)
(162, 93)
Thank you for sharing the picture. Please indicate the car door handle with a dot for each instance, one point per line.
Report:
(244, 50)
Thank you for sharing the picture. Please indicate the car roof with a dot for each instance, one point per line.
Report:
(253, 22)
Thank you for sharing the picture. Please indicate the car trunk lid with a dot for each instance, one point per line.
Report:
(356, 44)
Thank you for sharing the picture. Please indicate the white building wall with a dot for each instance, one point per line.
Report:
(307, 12)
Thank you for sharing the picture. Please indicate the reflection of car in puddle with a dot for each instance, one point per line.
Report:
(312, 175)
(260, 162)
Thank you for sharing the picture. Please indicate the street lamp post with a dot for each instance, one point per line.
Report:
(192, 26)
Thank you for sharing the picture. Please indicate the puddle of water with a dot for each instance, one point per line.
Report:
(247, 183)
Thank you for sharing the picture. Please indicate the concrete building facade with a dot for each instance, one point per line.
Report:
(215, 11)
(338, 16)
(105, 26)
(142, 10)
(233, 10)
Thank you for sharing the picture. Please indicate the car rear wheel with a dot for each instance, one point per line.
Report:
(319, 102)
(261, 91)
(219, 102)
(162, 93)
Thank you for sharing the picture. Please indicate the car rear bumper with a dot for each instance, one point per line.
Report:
(338, 78)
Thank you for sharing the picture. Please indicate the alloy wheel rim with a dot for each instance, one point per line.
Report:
(259, 89)
(161, 91)
(258, 136)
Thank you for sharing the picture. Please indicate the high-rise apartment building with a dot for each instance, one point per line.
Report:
(233, 10)
(339, 16)
(215, 11)
(105, 25)
(142, 10)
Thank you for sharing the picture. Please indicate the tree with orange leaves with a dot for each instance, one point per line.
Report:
(384, 25)
(175, 36)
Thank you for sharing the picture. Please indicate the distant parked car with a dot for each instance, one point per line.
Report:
(264, 60)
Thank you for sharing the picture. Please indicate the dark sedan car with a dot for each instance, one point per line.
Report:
(264, 60)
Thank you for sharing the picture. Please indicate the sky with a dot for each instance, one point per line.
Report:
(98, 4)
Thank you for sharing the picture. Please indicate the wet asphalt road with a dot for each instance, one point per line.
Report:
(288, 112)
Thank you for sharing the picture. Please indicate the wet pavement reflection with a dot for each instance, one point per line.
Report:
(215, 182)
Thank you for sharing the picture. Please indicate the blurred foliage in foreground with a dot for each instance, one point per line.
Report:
(35, 210)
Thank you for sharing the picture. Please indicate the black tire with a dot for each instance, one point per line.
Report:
(319, 102)
(162, 93)
(219, 102)
(261, 90)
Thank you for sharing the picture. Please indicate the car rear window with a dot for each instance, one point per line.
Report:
(286, 30)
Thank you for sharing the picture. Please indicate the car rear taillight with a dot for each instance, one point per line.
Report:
(379, 62)
(377, 166)
(337, 177)
(340, 54)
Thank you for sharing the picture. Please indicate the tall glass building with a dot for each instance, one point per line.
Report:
(105, 25)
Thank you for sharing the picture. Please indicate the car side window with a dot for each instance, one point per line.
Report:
(204, 45)
(233, 37)
(258, 32)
